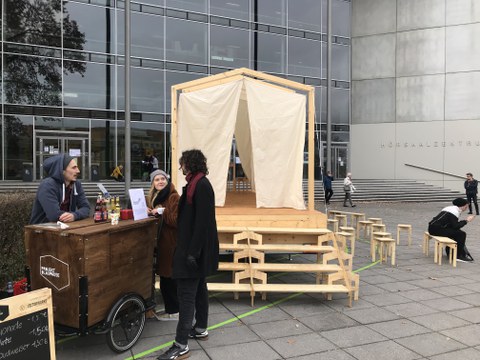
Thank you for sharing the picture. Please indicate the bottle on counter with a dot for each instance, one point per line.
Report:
(117, 205)
(9, 289)
(97, 215)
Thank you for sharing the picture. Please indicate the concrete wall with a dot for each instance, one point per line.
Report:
(415, 89)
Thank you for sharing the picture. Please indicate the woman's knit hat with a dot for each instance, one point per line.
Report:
(159, 172)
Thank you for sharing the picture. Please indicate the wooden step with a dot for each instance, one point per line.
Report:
(280, 247)
(228, 266)
(308, 288)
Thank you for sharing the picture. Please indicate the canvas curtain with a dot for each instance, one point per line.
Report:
(269, 126)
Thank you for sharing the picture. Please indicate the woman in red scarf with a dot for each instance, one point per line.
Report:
(196, 254)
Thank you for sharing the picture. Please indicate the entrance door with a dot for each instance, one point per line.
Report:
(74, 144)
(339, 161)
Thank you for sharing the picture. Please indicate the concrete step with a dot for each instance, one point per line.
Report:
(367, 190)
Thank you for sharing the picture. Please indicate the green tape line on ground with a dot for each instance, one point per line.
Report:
(229, 321)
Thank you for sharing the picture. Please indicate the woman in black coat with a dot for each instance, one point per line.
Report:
(196, 254)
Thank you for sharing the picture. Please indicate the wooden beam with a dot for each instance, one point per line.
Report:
(174, 135)
(311, 149)
(213, 83)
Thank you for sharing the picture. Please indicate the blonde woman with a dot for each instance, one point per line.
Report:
(162, 200)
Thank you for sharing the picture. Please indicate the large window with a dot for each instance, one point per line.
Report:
(173, 78)
(103, 146)
(340, 18)
(36, 22)
(305, 14)
(269, 52)
(341, 62)
(147, 35)
(32, 80)
(272, 12)
(186, 41)
(147, 90)
(304, 57)
(192, 5)
(94, 27)
(236, 9)
(94, 88)
(340, 109)
(228, 47)
(18, 145)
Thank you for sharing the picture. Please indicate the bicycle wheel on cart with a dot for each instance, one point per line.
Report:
(127, 320)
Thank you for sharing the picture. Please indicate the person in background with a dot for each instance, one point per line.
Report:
(196, 254)
(349, 189)
(117, 173)
(162, 200)
(471, 190)
(60, 196)
(327, 185)
(154, 161)
(447, 224)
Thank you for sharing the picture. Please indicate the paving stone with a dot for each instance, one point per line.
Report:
(453, 290)
(304, 306)
(386, 299)
(464, 354)
(472, 314)
(377, 279)
(421, 294)
(426, 283)
(293, 346)
(468, 335)
(267, 315)
(473, 299)
(446, 304)
(473, 286)
(327, 355)
(353, 336)
(229, 336)
(390, 349)
(275, 329)
(430, 344)
(328, 321)
(410, 309)
(397, 286)
(439, 321)
(368, 289)
(371, 315)
(254, 350)
(398, 328)
(457, 280)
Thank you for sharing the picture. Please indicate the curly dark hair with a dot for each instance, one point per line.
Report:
(194, 161)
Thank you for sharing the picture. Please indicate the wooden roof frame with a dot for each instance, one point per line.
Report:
(238, 74)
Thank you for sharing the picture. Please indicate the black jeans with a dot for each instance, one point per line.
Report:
(328, 195)
(193, 299)
(168, 287)
(472, 197)
(458, 235)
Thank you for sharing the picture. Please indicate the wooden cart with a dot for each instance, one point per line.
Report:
(100, 275)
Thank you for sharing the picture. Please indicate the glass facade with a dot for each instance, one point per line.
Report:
(62, 70)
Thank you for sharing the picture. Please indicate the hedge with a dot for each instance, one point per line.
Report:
(15, 210)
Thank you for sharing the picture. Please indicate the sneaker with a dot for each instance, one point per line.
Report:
(167, 317)
(464, 259)
(194, 334)
(354, 205)
(175, 352)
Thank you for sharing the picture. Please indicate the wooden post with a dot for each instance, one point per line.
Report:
(173, 135)
(311, 149)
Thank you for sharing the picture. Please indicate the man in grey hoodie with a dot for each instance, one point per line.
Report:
(60, 197)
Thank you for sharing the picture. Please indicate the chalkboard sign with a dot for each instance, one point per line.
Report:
(26, 327)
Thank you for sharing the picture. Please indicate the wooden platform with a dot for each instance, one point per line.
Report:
(240, 210)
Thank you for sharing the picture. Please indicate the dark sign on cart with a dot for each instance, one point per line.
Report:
(26, 327)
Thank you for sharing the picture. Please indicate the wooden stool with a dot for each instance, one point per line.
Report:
(376, 220)
(334, 224)
(406, 227)
(332, 213)
(343, 237)
(385, 246)
(367, 228)
(350, 230)
(377, 234)
(426, 240)
(378, 227)
(356, 217)
(440, 243)
(342, 219)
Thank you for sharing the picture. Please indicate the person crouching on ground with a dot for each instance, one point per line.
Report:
(447, 224)
(162, 200)
(196, 254)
